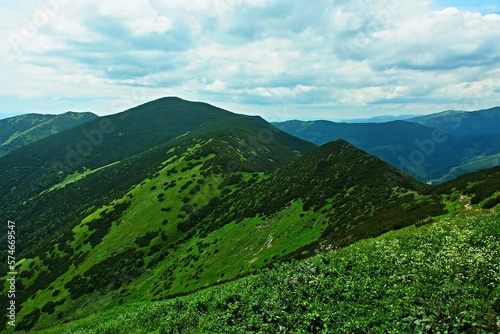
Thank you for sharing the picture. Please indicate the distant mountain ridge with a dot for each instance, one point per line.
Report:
(463, 123)
(460, 142)
(378, 119)
(18, 131)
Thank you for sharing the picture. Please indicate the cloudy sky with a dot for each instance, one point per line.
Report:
(280, 59)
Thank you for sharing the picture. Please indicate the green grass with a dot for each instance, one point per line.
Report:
(142, 216)
(437, 278)
(235, 249)
(76, 176)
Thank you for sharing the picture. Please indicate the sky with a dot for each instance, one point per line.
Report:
(335, 59)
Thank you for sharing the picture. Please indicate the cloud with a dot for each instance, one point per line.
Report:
(257, 54)
(441, 40)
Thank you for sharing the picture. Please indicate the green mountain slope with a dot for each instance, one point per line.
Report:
(480, 188)
(462, 123)
(426, 153)
(113, 138)
(126, 156)
(190, 224)
(438, 278)
(20, 123)
(344, 184)
(22, 130)
(138, 180)
(320, 200)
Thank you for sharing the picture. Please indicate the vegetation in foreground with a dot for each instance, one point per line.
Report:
(439, 278)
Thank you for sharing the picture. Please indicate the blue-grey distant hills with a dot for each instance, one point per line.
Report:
(18, 131)
(432, 148)
(379, 119)
(463, 123)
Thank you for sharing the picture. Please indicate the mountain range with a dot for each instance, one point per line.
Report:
(433, 148)
(173, 197)
(463, 123)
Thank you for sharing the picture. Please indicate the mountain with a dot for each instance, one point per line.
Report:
(16, 132)
(463, 123)
(112, 153)
(20, 123)
(426, 153)
(378, 119)
(173, 197)
(67, 191)
(183, 195)
(323, 199)
(331, 195)
(111, 139)
(439, 277)
(214, 254)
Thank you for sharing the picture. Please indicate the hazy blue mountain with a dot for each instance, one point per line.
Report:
(463, 123)
(427, 153)
(378, 119)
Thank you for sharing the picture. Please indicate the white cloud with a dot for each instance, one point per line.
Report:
(217, 85)
(322, 58)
